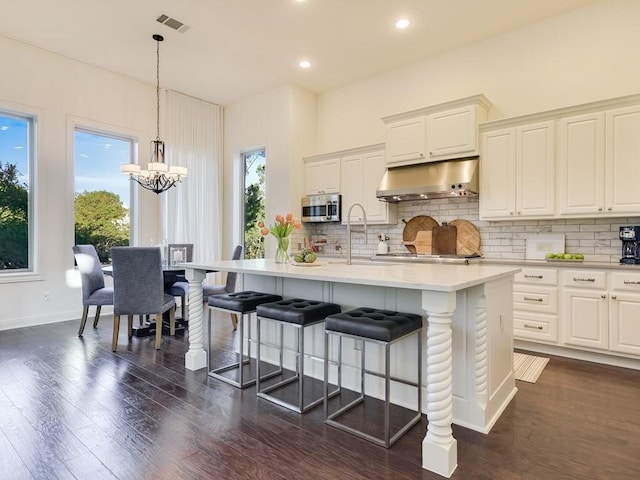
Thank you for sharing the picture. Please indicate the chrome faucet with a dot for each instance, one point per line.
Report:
(364, 217)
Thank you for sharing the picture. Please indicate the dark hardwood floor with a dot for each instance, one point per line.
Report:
(72, 409)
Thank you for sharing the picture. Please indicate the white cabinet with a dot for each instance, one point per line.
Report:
(597, 163)
(453, 133)
(361, 175)
(624, 314)
(406, 141)
(581, 164)
(535, 305)
(440, 132)
(586, 305)
(622, 155)
(322, 175)
(517, 172)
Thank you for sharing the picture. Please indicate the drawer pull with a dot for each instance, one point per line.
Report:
(533, 299)
(583, 279)
(631, 282)
(533, 276)
(533, 327)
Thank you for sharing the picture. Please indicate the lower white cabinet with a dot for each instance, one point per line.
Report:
(595, 310)
(535, 305)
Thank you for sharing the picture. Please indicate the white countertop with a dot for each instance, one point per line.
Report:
(443, 278)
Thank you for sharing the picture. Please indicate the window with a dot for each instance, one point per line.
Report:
(102, 193)
(16, 192)
(254, 170)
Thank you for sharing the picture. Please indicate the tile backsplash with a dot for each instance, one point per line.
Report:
(596, 238)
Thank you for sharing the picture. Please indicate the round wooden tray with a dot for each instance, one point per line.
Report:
(468, 237)
(415, 225)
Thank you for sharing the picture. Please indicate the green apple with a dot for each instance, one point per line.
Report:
(568, 256)
(550, 255)
(560, 255)
(579, 256)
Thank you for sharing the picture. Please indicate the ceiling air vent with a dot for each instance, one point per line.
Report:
(172, 23)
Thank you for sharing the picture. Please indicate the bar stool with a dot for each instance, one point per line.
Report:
(243, 304)
(299, 314)
(380, 327)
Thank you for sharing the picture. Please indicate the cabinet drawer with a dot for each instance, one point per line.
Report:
(537, 276)
(534, 326)
(585, 279)
(535, 299)
(626, 281)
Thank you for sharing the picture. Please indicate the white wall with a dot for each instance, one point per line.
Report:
(65, 91)
(582, 56)
(283, 122)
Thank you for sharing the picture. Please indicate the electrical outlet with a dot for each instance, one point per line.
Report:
(47, 296)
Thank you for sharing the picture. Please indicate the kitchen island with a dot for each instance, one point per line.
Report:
(468, 312)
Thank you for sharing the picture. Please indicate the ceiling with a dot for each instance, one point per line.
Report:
(237, 48)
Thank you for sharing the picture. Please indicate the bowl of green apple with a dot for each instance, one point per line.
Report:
(564, 257)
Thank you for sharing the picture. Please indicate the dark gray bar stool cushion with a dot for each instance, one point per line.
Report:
(241, 302)
(297, 310)
(383, 325)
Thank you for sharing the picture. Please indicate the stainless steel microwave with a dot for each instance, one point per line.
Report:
(321, 208)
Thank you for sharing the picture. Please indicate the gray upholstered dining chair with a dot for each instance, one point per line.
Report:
(180, 288)
(228, 287)
(138, 289)
(94, 291)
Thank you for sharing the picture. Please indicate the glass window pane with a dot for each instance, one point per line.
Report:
(15, 196)
(102, 193)
(254, 175)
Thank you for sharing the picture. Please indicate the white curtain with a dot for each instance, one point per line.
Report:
(193, 209)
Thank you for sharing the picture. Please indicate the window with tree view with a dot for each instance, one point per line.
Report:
(254, 171)
(101, 192)
(16, 167)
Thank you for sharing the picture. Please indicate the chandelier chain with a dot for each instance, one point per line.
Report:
(157, 90)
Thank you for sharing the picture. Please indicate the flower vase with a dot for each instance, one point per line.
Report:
(282, 252)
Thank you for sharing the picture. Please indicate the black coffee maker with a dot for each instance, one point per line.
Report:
(630, 237)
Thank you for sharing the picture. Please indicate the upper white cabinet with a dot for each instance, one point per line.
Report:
(581, 164)
(361, 175)
(518, 172)
(440, 132)
(622, 157)
(322, 174)
(568, 163)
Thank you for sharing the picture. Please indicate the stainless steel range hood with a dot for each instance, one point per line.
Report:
(428, 181)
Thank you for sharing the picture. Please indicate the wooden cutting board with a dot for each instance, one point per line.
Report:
(444, 239)
(467, 238)
(422, 243)
(413, 226)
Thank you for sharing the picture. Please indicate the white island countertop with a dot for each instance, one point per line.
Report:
(434, 277)
(467, 349)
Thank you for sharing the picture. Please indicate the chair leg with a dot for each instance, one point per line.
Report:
(130, 326)
(97, 317)
(182, 308)
(83, 321)
(172, 323)
(116, 328)
(158, 330)
(234, 321)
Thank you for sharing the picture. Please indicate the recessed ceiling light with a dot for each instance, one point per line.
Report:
(403, 23)
(304, 64)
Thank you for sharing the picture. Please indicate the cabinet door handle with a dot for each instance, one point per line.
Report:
(609, 208)
(603, 296)
(533, 327)
(583, 279)
(533, 299)
(536, 276)
(631, 282)
(614, 297)
(600, 209)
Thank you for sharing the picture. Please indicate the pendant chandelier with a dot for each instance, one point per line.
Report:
(158, 177)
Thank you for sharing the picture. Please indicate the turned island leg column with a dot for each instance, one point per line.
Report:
(196, 357)
(439, 448)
